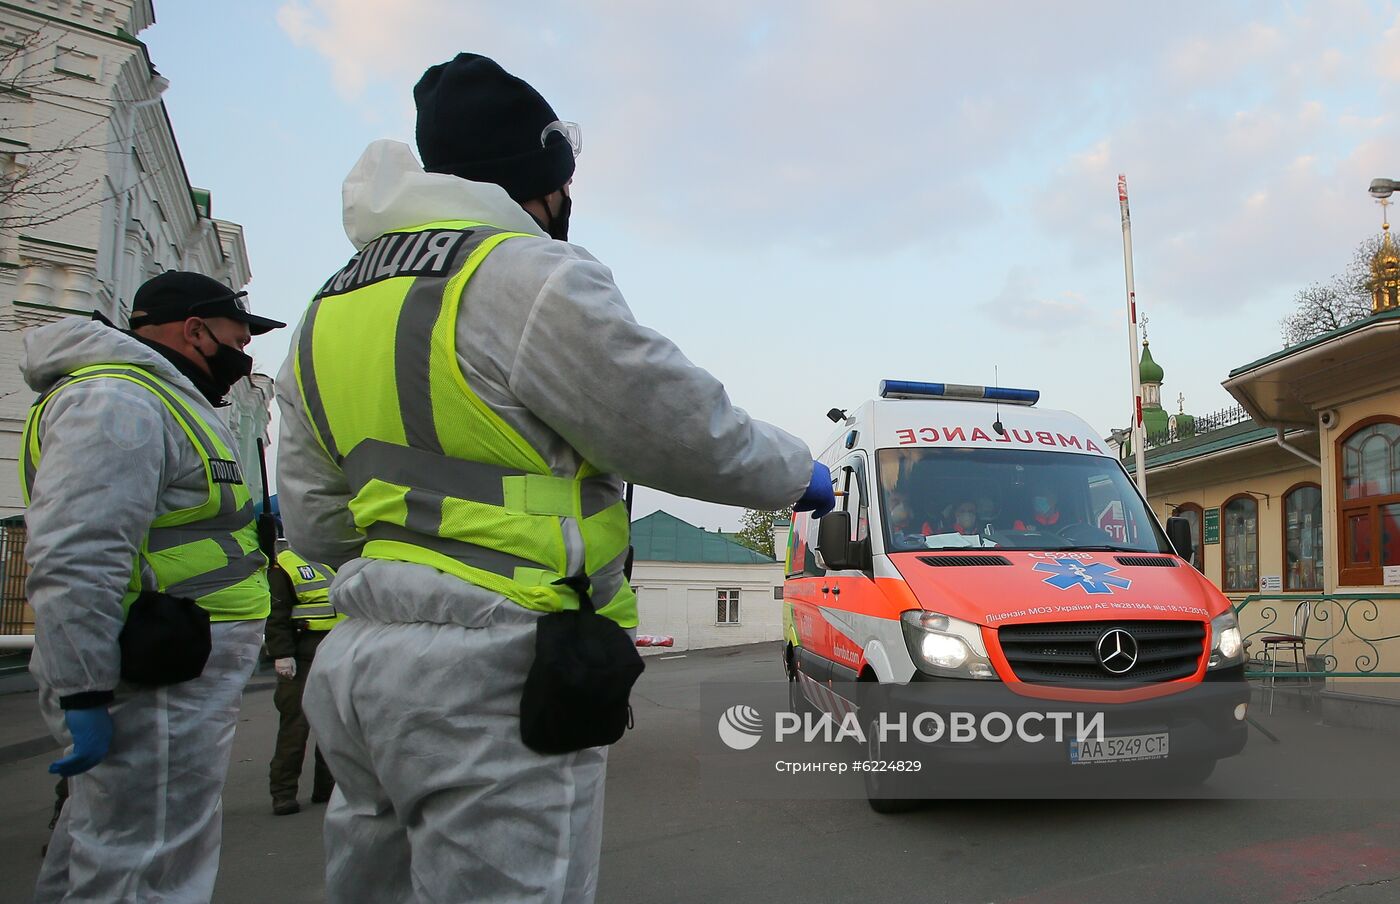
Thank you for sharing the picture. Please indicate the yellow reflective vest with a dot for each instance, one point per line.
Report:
(312, 584)
(209, 552)
(437, 477)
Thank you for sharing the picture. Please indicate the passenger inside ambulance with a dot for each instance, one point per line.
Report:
(906, 527)
(988, 512)
(963, 518)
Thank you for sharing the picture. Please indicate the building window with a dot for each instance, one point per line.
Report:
(71, 61)
(1302, 537)
(1240, 537)
(1193, 513)
(728, 598)
(1368, 460)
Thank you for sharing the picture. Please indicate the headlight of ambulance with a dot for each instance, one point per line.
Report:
(1228, 647)
(944, 646)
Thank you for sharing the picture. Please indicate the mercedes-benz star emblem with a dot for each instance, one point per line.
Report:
(1118, 651)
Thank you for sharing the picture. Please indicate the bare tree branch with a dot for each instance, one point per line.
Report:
(39, 185)
(1321, 308)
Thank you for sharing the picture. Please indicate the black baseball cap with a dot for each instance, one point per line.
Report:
(178, 294)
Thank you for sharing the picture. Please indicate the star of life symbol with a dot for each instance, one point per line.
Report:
(1092, 578)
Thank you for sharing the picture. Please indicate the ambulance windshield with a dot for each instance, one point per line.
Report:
(1011, 498)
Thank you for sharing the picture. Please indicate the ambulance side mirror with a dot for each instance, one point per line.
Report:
(1179, 532)
(834, 542)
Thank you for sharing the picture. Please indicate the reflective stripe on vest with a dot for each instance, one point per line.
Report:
(438, 478)
(311, 582)
(209, 552)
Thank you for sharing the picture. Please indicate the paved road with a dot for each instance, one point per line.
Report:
(667, 839)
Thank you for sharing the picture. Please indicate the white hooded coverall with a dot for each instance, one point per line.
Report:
(416, 697)
(145, 824)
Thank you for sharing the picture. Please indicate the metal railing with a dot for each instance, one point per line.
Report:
(1206, 423)
(1345, 633)
(14, 613)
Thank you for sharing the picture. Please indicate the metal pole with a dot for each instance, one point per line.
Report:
(1139, 438)
(267, 522)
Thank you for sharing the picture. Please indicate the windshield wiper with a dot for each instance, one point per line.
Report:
(1109, 548)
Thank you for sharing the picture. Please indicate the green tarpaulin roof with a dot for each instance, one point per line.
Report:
(662, 537)
(1240, 434)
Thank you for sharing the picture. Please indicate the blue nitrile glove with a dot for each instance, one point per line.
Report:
(818, 499)
(91, 729)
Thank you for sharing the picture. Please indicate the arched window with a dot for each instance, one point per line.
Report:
(1193, 513)
(1302, 537)
(1240, 541)
(1368, 465)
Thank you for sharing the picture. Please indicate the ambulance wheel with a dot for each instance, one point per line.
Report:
(882, 789)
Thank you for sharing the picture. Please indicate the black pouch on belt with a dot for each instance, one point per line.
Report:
(577, 690)
(165, 640)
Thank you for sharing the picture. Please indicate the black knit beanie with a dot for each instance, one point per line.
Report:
(479, 122)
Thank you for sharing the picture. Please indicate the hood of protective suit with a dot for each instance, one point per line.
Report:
(54, 350)
(387, 190)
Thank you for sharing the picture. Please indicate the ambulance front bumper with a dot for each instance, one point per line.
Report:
(984, 724)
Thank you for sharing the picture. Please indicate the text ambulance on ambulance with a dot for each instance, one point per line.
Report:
(989, 554)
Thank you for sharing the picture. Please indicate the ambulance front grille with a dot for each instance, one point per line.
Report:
(1067, 652)
(1146, 561)
(958, 561)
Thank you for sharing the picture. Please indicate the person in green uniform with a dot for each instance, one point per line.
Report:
(301, 617)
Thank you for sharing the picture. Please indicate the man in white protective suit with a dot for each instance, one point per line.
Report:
(461, 405)
(147, 581)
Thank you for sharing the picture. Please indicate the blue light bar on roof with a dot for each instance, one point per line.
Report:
(913, 389)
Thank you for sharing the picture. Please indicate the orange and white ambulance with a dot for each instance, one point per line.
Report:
(981, 541)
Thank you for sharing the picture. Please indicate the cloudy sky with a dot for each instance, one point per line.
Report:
(811, 196)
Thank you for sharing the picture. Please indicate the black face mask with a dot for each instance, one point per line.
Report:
(558, 225)
(228, 365)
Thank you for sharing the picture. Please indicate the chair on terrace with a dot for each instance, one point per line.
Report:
(1293, 645)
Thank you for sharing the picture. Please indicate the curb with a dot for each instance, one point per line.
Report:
(23, 750)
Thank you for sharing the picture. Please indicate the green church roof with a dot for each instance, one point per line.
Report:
(662, 537)
(1148, 370)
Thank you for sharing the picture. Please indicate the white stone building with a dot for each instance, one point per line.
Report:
(702, 588)
(102, 201)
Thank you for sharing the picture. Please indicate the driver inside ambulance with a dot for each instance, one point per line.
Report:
(1045, 512)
